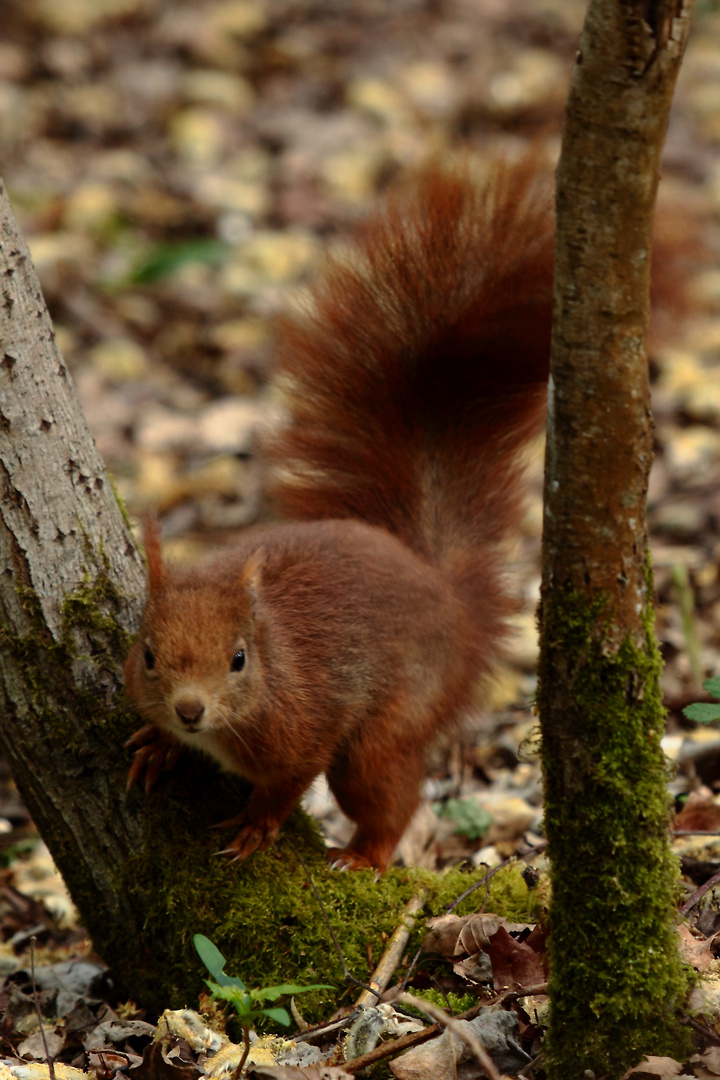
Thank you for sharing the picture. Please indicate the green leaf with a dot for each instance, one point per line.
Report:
(236, 995)
(281, 1016)
(470, 818)
(271, 993)
(214, 961)
(167, 258)
(210, 955)
(712, 686)
(234, 990)
(702, 713)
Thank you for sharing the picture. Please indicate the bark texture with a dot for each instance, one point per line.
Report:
(66, 553)
(617, 982)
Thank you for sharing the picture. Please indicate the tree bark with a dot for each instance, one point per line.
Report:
(142, 870)
(617, 982)
(64, 548)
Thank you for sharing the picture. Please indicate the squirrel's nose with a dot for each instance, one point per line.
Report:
(190, 711)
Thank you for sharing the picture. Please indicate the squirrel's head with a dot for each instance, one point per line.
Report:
(196, 669)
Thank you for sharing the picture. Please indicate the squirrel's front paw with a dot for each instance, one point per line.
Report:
(253, 836)
(155, 752)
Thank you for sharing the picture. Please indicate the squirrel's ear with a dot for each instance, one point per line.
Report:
(252, 574)
(151, 541)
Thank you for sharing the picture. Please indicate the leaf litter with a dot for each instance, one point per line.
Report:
(178, 169)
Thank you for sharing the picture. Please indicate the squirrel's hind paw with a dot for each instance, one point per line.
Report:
(345, 859)
(254, 836)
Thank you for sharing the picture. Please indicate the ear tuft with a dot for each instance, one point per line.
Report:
(153, 554)
(252, 574)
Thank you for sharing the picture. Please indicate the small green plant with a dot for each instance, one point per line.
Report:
(702, 712)
(250, 1004)
(470, 819)
(165, 259)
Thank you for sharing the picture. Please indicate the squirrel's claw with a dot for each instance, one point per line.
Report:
(155, 752)
(255, 836)
(345, 859)
(147, 734)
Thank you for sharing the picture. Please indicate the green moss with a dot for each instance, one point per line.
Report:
(263, 914)
(93, 609)
(457, 1003)
(505, 894)
(90, 635)
(617, 982)
(120, 503)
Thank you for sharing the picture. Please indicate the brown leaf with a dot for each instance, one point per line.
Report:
(156, 1066)
(656, 1068)
(34, 1047)
(444, 933)
(514, 963)
(697, 815)
(697, 952)
(452, 935)
(477, 932)
(706, 1066)
(476, 968)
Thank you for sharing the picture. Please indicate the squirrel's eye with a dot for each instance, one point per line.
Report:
(238, 661)
(149, 658)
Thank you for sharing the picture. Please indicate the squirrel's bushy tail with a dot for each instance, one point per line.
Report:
(419, 372)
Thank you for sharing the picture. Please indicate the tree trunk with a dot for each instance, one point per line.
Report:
(142, 870)
(617, 981)
(72, 589)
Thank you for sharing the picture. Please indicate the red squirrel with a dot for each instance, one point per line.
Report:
(345, 640)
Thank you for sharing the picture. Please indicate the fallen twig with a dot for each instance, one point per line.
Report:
(699, 893)
(535, 850)
(452, 1022)
(48, 1058)
(394, 951)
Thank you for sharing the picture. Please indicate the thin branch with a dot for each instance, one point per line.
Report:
(535, 850)
(36, 1002)
(468, 1037)
(415, 1038)
(699, 893)
(394, 951)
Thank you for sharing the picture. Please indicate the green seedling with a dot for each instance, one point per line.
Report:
(470, 819)
(702, 712)
(249, 1004)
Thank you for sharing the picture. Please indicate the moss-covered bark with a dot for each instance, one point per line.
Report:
(617, 981)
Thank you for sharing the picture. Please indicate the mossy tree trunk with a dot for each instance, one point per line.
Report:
(142, 870)
(617, 983)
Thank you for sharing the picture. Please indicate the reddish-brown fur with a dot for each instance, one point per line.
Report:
(366, 622)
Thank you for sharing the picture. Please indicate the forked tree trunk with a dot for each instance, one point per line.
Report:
(617, 983)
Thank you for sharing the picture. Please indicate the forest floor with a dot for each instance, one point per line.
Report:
(178, 168)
